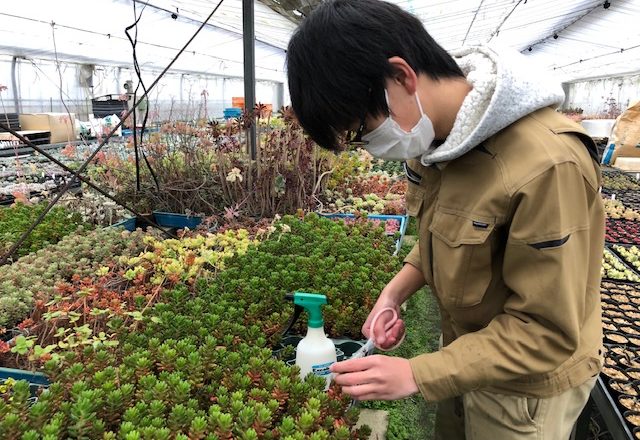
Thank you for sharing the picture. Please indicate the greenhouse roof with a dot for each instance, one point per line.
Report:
(575, 38)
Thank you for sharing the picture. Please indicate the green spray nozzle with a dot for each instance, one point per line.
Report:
(313, 302)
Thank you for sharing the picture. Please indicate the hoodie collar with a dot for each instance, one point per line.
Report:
(506, 87)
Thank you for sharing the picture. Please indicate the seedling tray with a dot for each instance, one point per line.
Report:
(616, 257)
(402, 219)
(613, 249)
(622, 231)
(613, 418)
(626, 197)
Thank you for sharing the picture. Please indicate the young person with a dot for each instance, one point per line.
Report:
(511, 223)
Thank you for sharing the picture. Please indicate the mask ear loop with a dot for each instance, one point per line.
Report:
(419, 104)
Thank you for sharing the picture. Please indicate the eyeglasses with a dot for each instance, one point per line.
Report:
(354, 138)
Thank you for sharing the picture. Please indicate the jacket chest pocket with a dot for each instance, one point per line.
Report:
(462, 249)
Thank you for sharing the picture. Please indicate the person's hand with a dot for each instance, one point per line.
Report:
(375, 378)
(384, 339)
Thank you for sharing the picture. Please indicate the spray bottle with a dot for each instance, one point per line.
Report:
(315, 352)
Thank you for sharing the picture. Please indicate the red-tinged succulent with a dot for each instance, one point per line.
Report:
(622, 231)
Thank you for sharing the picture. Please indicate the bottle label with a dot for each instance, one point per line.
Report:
(321, 369)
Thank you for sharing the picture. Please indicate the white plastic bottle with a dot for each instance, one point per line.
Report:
(315, 352)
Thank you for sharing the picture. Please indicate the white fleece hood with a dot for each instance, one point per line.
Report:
(506, 87)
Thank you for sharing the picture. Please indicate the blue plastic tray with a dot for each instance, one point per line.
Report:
(164, 219)
(36, 380)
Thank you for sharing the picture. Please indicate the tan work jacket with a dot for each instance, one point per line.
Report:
(510, 241)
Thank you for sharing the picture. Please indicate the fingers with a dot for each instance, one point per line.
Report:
(379, 330)
(361, 392)
(353, 365)
(394, 334)
(366, 328)
(351, 379)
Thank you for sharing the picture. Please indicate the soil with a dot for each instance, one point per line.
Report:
(610, 327)
(634, 315)
(618, 339)
(630, 403)
(624, 360)
(622, 321)
(634, 363)
(635, 341)
(614, 313)
(614, 373)
(627, 307)
(635, 375)
(620, 298)
(618, 350)
(634, 419)
(612, 362)
(629, 330)
(624, 388)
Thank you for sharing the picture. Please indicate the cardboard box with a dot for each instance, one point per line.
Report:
(62, 128)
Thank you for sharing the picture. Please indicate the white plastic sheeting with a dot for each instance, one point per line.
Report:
(91, 35)
(589, 37)
(93, 32)
(591, 41)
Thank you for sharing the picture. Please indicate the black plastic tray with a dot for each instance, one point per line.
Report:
(616, 424)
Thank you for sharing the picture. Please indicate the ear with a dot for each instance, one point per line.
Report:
(403, 75)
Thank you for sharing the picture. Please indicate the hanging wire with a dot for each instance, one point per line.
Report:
(79, 171)
(136, 67)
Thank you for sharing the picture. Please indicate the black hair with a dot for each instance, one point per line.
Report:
(337, 62)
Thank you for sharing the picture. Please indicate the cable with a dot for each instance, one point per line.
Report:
(497, 31)
(159, 46)
(598, 56)
(473, 20)
(80, 170)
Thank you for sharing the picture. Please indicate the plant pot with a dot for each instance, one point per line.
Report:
(610, 326)
(628, 403)
(621, 320)
(616, 338)
(345, 347)
(633, 373)
(632, 418)
(178, 221)
(615, 373)
(630, 330)
(634, 340)
(624, 388)
(163, 219)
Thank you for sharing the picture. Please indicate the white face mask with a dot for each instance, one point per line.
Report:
(389, 141)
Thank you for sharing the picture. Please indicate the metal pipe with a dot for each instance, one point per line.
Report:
(248, 36)
(14, 84)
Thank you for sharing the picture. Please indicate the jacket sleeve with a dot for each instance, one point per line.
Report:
(413, 257)
(546, 267)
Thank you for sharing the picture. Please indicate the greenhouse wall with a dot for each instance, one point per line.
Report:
(179, 95)
(595, 96)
